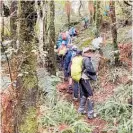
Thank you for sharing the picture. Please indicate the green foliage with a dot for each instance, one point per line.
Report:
(30, 122)
(57, 111)
(81, 127)
(64, 112)
(30, 81)
(86, 43)
(116, 110)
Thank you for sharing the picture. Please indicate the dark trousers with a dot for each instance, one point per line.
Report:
(86, 25)
(66, 74)
(85, 88)
(75, 89)
(61, 61)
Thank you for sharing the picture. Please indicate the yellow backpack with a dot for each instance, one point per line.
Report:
(76, 68)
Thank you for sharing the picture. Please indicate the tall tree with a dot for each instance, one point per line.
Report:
(51, 54)
(27, 86)
(114, 29)
(91, 10)
(68, 10)
(97, 18)
(41, 15)
(80, 5)
(13, 22)
(1, 21)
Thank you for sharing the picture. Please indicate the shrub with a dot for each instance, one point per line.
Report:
(117, 111)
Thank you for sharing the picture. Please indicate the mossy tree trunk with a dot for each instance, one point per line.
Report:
(2, 21)
(97, 17)
(51, 55)
(27, 83)
(45, 35)
(114, 30)
(40, 5)
(13, 23)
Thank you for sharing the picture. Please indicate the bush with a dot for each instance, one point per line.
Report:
(117, 111)
(59, 112)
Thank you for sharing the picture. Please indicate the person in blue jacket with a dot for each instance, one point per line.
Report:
(70, 53)
(72, 32)
(65, 41)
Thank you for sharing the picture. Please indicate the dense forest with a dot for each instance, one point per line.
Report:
(38, 87)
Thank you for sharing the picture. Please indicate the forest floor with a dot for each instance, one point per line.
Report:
(109, 78)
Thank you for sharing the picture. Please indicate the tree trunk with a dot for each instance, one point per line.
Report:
(1, 22)
(97, 18)
(68, 18)
(68, 9)
(51, 54)
(13, 23)
(45, 33)
(114, 29)
(41, 15)
(45, 22)
(1, 39)
(80, 5)
(27, 83)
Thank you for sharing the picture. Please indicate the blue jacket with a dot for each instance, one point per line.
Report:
(60, 40)
(72, 31)
(70, 53)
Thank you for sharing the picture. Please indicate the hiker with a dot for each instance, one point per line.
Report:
(97, 43)
(76, 69)
(83, 74)
(70, 53)
(68, 40)
(67, 63)
(73, 32)
(63, 41)
(86, 22)
(64, 38)
(88, 73)
(62, 50)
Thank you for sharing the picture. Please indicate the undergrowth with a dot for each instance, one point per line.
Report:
(117, 111)
(30, 123)
(59, 112)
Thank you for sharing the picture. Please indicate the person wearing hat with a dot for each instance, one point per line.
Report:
(82, 71)
(88, 73)
(73, 81)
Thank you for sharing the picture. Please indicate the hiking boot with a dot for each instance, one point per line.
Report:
(75, 99)
(70, 91)
(82, 105)
(90, 106)
(65, 79)
(92, 115)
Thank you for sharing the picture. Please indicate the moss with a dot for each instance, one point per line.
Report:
(7, 32)
(86, 43)
(29, 122)
(29, 67)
